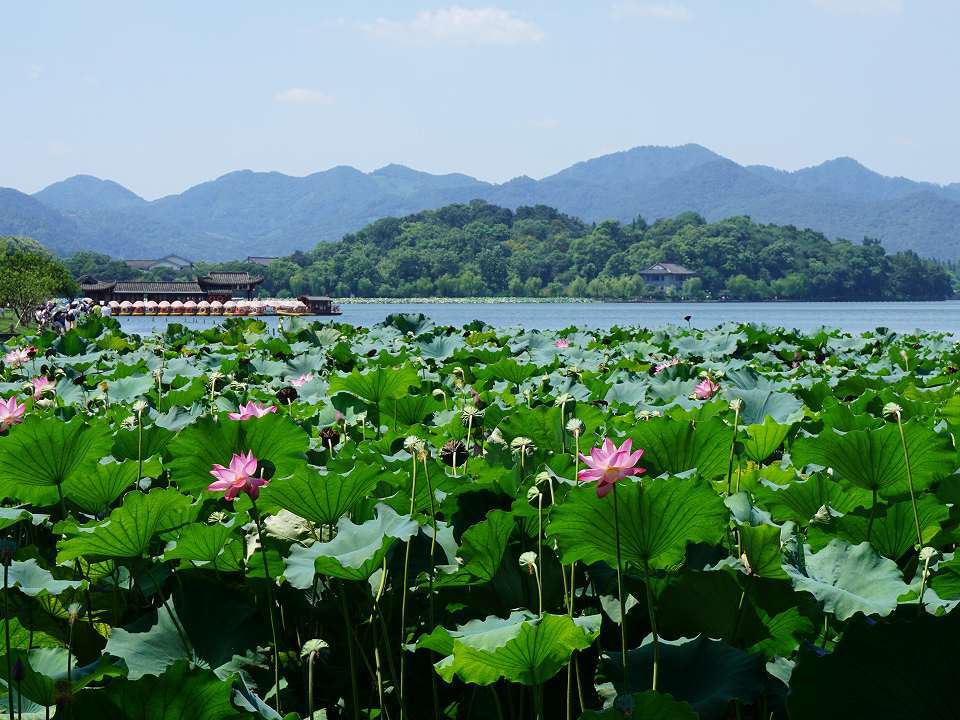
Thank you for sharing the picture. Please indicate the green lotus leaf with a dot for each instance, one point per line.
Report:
(45, 673)
(508, 370)
(128, 530)
(873, 459)
(674, 446)
(481, 548)
(322, 498)
(218, 546)
(657, 521)
(130, 445)
(761, 546)
(849, 579)
(210, 441)
(707, 674)
(894, 529)
(647, 704)
(183, 692)
(354, 554)
(128, 389)
(43, 453)
(761, 403)
(35, 581)
(96, 491)
(11, 516)
(542, 425)
(875, 671)
(524, 649)
(377, 384)
(154, 644)
(763, 439)
(801, 500)
(412, 409)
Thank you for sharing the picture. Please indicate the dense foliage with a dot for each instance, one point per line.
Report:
(410, 538)
(481, 249)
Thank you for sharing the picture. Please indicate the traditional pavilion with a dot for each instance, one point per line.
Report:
(220, 286)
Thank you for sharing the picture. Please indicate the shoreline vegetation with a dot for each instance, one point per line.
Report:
(482, 300)
(481, 250)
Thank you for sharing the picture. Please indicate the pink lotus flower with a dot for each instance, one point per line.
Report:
(252, 410)
(302, 380)
(610, 463)
(41, 385)
(660, 367)
(239, 477)
(11, 413)
(561, 344)
(706, 389)
(16, 357)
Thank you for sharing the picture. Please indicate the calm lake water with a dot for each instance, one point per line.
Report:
(853, 317)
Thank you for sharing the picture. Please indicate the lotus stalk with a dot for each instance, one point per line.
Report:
(736, 405)
(411, 444)
(7, 549)
(896, 411)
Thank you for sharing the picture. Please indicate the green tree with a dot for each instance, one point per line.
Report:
(30, 277)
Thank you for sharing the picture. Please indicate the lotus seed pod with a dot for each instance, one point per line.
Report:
(528, 561)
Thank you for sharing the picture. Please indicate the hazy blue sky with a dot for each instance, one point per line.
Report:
(162, 95)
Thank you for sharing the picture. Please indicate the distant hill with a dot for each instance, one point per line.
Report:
(269, 213)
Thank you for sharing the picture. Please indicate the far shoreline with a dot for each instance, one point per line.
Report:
(594, 301)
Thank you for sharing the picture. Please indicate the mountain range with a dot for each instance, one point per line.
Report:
(268, 213)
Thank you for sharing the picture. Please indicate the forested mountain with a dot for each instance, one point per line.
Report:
(269, 213)
(480, 249)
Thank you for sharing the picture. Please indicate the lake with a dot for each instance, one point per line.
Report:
(850, 316)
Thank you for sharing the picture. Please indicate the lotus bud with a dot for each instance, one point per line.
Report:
(528, 561)
(574, 427)
(891, 409)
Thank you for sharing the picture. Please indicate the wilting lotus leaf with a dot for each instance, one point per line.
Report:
(875, 671)
(183, 691)
(647, 704)
(656, 522)
(271, 438)
(849, 579)
(128, 530)
(674, 446)
(873, 459)
(43, 453)
(523, 648)
(322, 498)
(355, 553)
(707, 674)
(96, 491)
(763, 439)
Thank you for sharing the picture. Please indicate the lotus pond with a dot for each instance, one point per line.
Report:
(424, 522)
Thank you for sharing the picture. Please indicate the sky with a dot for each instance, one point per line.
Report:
(162, 96)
